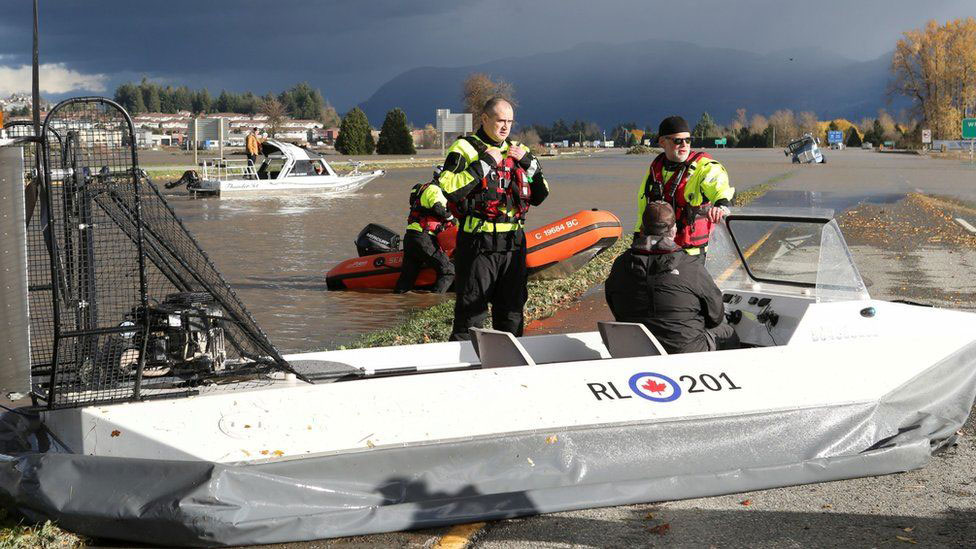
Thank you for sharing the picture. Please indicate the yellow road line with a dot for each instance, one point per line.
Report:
(459, 537)
(751, 250)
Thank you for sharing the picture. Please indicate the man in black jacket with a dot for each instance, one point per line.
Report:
(668, 291)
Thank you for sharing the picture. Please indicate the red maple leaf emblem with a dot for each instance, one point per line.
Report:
(653, 387)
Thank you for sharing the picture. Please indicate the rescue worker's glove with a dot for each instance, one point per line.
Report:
(450, 220)
(530, 165)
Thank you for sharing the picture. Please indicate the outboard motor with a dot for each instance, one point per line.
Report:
(376, 239)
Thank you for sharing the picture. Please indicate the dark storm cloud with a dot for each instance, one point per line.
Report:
(349, 47)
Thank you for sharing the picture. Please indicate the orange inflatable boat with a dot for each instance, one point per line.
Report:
(554, 250)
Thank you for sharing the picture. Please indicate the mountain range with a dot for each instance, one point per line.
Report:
(645, 81)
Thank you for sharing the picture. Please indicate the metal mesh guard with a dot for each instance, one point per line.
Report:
(107, 260)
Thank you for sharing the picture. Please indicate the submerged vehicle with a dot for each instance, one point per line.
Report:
(163, 414)
(286, 167)
(553, 250)
(805, 150)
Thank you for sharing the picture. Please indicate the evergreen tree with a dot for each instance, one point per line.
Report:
(395, 136)
(201, 101)
(129, 96)
(853, 139)
(354, 134)
(154, 102)
(705, 126)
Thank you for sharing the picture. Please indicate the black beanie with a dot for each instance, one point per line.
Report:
(672, 125)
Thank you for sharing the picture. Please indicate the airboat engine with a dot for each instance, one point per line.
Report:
(184, 337)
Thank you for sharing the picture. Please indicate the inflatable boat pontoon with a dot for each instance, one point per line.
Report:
(554, 250)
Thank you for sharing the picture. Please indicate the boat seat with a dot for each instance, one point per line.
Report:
(498, 349)
(629, 339)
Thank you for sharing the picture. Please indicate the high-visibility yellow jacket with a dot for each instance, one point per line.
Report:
(465, 166)
(707, 181)
(433, 201)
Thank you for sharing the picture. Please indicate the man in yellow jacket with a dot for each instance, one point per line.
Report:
(252, 146)
(491, 181)
(692, 182)
(428, 217)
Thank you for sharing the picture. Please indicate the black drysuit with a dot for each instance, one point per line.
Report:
(659, 285)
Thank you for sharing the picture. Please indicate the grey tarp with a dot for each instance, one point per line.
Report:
(387, 489)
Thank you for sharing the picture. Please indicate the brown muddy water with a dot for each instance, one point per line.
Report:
(275, 250)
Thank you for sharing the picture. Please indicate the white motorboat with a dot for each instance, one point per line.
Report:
(170, 419)
(286, 167)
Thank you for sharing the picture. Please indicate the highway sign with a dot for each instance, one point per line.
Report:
(835, 136)
(721, 141)
(926, 136)
(969, 128)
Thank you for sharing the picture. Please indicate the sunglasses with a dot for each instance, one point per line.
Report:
(680, 140)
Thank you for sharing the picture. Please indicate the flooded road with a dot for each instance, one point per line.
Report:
(275, 250)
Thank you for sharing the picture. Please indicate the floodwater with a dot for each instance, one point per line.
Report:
(275, 250)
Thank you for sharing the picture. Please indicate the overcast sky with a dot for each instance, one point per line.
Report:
(348, 48)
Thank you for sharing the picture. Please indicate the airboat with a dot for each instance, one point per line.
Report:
(285, 167)
(163, 414)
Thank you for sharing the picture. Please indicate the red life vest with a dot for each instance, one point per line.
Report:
(425, 217)
(503, 189)
(694, 227)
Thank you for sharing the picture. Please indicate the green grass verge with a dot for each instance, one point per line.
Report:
(15, 535)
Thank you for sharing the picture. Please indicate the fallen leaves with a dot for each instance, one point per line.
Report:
(660, 529)
(746, 502)
(552, 439)
(116, 433)
(906, 539)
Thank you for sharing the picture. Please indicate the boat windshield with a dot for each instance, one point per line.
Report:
(805, 255)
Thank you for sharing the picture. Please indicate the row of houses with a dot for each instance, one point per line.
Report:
(155, 130)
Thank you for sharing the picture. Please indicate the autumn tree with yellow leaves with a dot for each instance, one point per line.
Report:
(478, 88)
(936, 68)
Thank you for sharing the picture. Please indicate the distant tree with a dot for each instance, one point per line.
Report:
(807, 123)
(528, 137)
(784, 126)
(478, 88)
(302, 101)
(935, 68)
(329, 118)
(395, 135)
(876, 134)
(275, 111)
(201, 102)
(853, 138)
(621, 136)
(225, 102)
(150, 96)
(430, 138)
(355, 135)
(130, 97)
(740, 120)
(705, 126)
(889, 130)
(183, 99)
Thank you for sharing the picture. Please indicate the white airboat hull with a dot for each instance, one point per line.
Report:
(848, 396)
(322, 183)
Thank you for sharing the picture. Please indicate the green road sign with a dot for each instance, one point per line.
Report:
(721, 141)
(969, 128)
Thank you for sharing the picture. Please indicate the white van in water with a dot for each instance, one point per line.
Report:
(805, 150)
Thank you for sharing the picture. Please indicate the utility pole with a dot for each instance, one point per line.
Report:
(35, 87)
